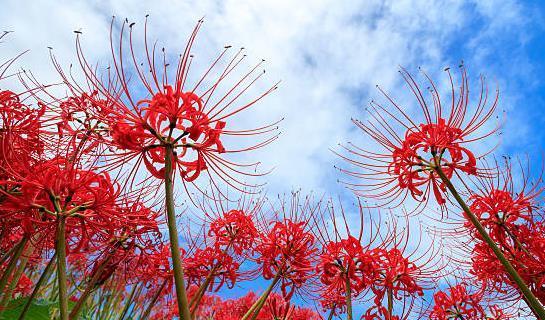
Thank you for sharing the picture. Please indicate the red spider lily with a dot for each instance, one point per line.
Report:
(211, 262)
(525, 254)
(285, 254)
(278, 308)
(191, 119)
(378, 312)
(510, 213)
(83, 117)
(58, 187)
(344, 265)
(402, 275)
(398, 276)
(345, 261)
(155, 267)
(411, 159)
(458, 303)
(498, 211)
(20, 139)
(500, 205)
(235, 230)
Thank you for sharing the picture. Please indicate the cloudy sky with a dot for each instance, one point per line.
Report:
(329, 55)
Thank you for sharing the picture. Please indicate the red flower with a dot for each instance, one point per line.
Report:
(21, 128)
(458, 303)
(160, 110)
(344, 260)
(414, 150)
(512, 218)
(234, 230)
(396, 274)
(285, 251)
(209, 260)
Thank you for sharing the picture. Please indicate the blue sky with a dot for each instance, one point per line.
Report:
(329, 56)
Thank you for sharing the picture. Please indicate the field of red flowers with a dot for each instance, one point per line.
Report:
(122, 196)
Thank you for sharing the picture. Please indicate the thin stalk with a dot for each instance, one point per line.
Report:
(12, 264)
(153, 301)
(181, 295)
(8, 254)
(390, 303)
(16, 276)
(532, 301)
(196, 299)
(256, 307)
(90, 287)
(194, 303)
(129, 315)
(348, 298)
(115, 304)
(43, 278)
(129, 302)
(60, 247)
(331, 313)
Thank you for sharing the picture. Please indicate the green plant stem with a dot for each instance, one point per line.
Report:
(194, 303)
(181, 295)
(16, 276)
(348, 298)
(43, 278)
(12, 264)
(331, 313)
(147, 313)
(60, 247)
(390, 303)
(135, 298)
(8, 254)
(90, 287)
(256, 307)
(129, 301)
(532, 301)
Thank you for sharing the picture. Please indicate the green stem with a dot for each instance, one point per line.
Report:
(12, 264)
(129, 315)
(256, 307)
(8, 254)
(390, 303)
(194, 303)
(181, 295)
(43, 278)
(90, 287)
(129, 302)
(60, 247)
(153, 301)
(348, 298)
(16, 276)
(533, 302)
(331, 313)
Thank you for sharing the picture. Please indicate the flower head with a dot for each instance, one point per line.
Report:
(285, 253)
(160, 110)
(415, 150)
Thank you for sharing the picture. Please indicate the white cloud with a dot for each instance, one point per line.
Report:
(329, 56)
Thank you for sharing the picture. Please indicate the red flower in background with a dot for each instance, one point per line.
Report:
(234, 230)
(285, 255)
(211, 262)
(343, 261)
(458, 303)
(397, 275)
